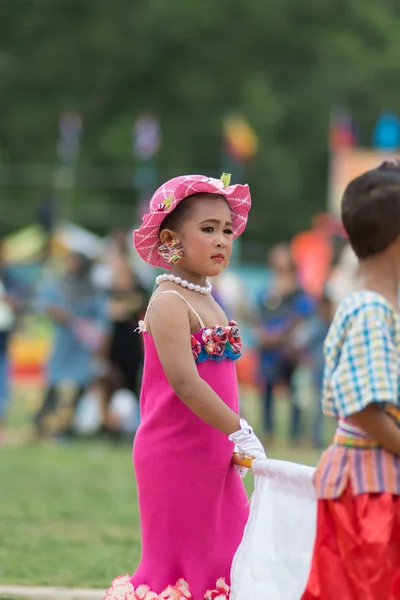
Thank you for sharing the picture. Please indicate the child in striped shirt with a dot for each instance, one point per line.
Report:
(357, 547)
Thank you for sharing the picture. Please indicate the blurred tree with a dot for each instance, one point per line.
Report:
(281, 63)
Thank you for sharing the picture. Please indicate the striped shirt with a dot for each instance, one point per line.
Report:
(362, 365)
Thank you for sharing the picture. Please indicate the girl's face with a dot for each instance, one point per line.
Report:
(206, 236)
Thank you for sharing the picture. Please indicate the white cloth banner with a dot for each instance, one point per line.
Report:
(274, 557)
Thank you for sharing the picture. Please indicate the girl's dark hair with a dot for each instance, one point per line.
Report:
(371, 210)
(182, 212)
(175, 218)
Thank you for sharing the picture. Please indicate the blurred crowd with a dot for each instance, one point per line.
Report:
(92, 375)
(93, 372)
(292, 326)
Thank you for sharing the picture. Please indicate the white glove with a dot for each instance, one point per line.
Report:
(241, 470)
(247, 442)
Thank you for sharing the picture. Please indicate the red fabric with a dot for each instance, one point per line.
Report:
(357, 549)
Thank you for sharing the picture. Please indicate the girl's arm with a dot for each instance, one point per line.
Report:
(169, 324)
(379, 426)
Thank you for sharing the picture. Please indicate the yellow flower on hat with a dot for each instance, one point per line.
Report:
(226, 179)
(167, 202)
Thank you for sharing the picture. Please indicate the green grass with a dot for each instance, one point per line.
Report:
(68, 514)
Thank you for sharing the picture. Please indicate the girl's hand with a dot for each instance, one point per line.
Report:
(241, 469)
(246, 441)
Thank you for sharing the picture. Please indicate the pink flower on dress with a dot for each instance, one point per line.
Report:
(234, 337)
(215, 340)
(179, 591)
(196, 347)
(220, 593)
(122, 589)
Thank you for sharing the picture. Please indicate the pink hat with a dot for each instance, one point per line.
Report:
(146, 239)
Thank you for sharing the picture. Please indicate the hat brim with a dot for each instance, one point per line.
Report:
(146, 239)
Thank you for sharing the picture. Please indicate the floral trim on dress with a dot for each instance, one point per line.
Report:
(222, 591)
(219, 343)
(196, 348)
(122, 589)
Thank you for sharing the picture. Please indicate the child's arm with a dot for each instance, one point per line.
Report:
(366, 376)
(169, 325)
(379, 426)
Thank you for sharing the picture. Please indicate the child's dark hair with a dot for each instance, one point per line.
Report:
(371, 210)
(175, 218)
(182, 212)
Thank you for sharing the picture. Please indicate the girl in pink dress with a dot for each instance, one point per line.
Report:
(193, 506)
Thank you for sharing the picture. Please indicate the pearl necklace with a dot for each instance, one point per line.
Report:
(201, 289)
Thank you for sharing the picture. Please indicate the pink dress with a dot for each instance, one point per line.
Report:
(193, 506)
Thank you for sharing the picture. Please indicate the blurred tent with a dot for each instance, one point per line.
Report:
(29, 243)
(69, 237)
(24, 245)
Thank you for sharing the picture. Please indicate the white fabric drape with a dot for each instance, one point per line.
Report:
(273, 560)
